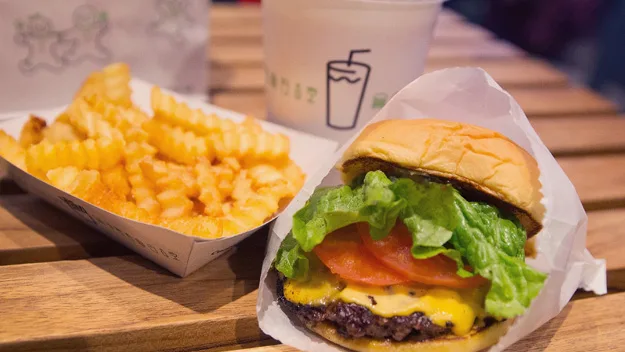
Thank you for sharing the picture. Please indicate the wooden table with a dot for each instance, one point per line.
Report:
(65, 287)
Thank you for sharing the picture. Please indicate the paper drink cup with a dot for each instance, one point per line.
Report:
(332, 64)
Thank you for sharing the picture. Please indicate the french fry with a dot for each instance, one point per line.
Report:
(294, 174)
(209, 195)
(100, 154)
(168, 110)
(203, 226)
(251, 212)
(32, 131)
(250, 146)
(144, 194)
(169, 176)
(174, 203)
(113, 82)
(60, 131)
(116, 179)
(12, 151)
(176, 144)
(90, 122)
(242, 187)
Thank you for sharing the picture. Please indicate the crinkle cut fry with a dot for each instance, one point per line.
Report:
(174, 187)
(176, 144)
(98, 154)
(143, 191)
(254, 210)
(251, 146)
(168, 110)
(127, 120)
(90, 122)
(113, 82)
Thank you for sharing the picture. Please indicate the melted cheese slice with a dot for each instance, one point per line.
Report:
(441, 305)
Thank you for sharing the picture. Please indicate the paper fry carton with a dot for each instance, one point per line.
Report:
(179, 253)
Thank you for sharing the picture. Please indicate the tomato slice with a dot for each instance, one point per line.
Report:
(346, 256)
(394, 252)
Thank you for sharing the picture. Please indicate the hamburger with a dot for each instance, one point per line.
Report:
(423, 247)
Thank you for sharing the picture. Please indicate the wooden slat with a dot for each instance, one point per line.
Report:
(252, 55)
(249, 103)
(516, 72)
(129, 304)
(556, 101)
(582, 134)
(238, 31)
(599, 180)
(510, 73)
(535, 102)
(593, 324)
(32, 231)
(225, 12)
(606, 234)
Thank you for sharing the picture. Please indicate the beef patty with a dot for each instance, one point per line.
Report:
(352, 320)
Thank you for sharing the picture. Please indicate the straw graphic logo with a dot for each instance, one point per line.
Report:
(346, 86)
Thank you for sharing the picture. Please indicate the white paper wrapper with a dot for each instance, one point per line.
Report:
(179, 253)
(467, 95)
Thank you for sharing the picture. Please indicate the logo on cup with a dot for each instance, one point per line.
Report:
(346, 86)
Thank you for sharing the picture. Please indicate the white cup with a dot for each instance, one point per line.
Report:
(332, 64)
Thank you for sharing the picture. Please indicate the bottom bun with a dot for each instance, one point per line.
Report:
(473, 342)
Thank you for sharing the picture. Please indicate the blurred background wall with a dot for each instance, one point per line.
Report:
(584, 38)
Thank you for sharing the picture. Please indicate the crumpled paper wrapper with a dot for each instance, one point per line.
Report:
(466, 95)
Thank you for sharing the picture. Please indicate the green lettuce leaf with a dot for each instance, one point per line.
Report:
(290, 260)
(382, 206)
(431, 217)
(330, 209)
(493, 247)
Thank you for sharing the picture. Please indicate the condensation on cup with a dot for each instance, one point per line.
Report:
(332, 64)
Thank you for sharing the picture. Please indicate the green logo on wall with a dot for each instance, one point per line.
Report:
(379, 100)
(312, 94)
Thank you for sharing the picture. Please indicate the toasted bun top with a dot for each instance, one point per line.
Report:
(476, 341)
(483, 164)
